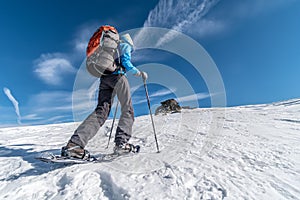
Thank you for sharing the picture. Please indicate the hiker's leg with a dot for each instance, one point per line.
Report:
(124, 128)
(90, 126)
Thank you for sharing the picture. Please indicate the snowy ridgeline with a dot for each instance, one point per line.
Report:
(248, 152)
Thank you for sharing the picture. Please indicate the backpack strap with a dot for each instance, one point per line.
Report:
(117, 61)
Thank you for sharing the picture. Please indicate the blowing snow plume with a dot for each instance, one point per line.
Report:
(177, 15)
(14, 102)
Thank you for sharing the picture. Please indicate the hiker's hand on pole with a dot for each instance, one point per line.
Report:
(144, 75)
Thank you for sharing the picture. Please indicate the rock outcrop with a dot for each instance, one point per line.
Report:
(168, 106)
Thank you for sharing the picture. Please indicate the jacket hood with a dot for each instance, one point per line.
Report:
(126, 38)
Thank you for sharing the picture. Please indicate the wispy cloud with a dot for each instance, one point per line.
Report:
(194, 97)
(52, 67)
(81, 41)
(51, 101)
(14, 102)
(92, 90)
(48, 107)
(82, 37)
(178, 15)
(202, 18)
(30, 117)
(159, 94)
(163, 92)
(85, 100)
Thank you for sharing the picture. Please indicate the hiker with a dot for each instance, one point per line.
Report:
(115, 83)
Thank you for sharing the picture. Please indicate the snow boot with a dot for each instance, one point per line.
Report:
(73, 150)
(126, 148)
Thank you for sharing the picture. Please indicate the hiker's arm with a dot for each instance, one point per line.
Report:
(126, 60)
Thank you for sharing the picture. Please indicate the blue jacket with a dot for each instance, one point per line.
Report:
(125, 58)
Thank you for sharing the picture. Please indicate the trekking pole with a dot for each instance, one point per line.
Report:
(148, 100)
(112, 126)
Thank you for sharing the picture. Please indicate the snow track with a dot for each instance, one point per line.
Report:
(255, 155)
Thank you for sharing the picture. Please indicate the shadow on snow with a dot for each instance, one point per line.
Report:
(38, 167)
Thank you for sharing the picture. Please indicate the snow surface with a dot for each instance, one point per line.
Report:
(247, 152)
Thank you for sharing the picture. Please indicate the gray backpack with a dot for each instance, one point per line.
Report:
(102, 51)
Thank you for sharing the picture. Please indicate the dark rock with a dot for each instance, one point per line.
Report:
(168, 106)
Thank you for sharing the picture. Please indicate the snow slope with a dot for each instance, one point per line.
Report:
(248, 152)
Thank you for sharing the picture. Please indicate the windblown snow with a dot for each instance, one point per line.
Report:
(247, 152)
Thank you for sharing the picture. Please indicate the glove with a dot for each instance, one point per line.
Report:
(144, 75)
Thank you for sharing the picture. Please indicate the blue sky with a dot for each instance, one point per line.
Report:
(254, 43)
